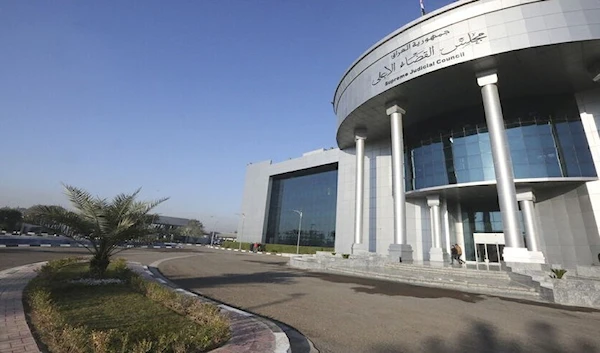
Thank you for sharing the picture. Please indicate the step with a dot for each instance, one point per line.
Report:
(501, 288)
(450, 271)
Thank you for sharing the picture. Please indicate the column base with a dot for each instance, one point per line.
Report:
(522, 255)
(436, 255)
(400, 253)
(360, 249)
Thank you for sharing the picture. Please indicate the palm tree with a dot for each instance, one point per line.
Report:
(105, 224)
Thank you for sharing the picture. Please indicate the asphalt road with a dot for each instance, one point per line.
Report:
(345, 314)
(12, 257)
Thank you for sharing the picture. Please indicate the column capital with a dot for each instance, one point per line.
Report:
(394, 107)
(487, 78)
(525, 194)
(360, 134)
(433, 200)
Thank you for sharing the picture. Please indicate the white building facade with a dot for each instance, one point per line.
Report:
(474, 125)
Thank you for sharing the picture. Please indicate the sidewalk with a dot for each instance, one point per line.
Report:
(15, 336)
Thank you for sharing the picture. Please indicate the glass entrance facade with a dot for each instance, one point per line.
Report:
(312, 191)
(483, 218)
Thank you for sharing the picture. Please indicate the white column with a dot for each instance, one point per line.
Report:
(515, 250)
(400, 249)
(360, 135)
(526, 199)
(436, 253)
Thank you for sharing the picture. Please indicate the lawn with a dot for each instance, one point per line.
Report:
(122, 310)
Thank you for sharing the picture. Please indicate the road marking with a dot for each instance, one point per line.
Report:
(158, 262)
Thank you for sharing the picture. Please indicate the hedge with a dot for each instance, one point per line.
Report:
(278, 248)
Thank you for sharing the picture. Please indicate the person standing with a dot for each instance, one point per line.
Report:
(458, 254)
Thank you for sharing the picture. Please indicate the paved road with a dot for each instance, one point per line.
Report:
(11, 257)
(344, 314)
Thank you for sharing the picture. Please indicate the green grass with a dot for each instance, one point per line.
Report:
(117, 306)
(67, 317)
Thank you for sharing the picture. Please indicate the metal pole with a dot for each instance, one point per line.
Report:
(239, 239)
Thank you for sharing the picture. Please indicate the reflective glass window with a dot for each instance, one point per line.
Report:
(550, 142)
(314, 192)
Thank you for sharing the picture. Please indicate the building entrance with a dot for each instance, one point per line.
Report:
(488, 248)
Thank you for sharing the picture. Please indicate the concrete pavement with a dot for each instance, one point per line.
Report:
(347, 314)
(250, 333)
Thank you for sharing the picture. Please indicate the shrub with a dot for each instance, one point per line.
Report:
(558, 273)
(345, 256)
(333, 253)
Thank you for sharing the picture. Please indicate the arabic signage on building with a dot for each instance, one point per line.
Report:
(416, 56)
(402, 58)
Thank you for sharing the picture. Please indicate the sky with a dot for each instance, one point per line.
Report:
(175, 97)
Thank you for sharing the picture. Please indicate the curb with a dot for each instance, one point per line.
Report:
(239, 332)
(46, 245)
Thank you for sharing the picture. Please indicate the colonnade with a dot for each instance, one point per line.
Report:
(400, 250)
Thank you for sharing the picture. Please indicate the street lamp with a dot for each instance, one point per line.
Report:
(212, 238)
(299, 228)
(241, 234)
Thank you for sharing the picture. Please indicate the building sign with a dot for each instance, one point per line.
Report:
(423, 55)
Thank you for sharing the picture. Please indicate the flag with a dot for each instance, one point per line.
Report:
(422, 8)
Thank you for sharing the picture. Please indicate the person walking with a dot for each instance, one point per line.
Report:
(453, 254)
(458, 254)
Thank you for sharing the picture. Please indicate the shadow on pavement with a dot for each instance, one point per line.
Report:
(374, 286)
(230, 278)
(482, 338)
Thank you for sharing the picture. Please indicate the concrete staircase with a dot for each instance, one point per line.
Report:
(499, 282)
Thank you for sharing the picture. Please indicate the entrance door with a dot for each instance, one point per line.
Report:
(489, 247)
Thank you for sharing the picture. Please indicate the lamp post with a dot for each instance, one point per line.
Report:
(242, 233)
(212, 237)
(299, 228)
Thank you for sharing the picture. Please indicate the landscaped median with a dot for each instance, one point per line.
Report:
(70, 311)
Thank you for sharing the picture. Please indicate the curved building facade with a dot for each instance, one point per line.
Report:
(476, 125)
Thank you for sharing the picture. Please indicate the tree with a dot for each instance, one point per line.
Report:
(10, 218)
(194, 229)
(105, 224)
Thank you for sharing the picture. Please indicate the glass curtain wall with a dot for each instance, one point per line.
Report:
(545, 143)
(482, 219)
(312, 191)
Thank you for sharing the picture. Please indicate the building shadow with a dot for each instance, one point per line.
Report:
(484, 338)
(388, 288)
(235, 279)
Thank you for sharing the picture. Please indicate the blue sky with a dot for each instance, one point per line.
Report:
(175, 97)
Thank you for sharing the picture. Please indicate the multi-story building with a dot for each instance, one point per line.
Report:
(477, 124)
